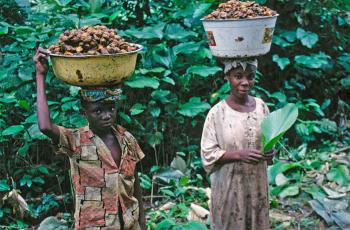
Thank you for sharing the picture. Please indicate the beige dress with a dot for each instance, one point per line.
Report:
(239, 197)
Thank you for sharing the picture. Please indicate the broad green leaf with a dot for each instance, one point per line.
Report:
(89, 21)
(278, 40)
(125, 117)
(179, 164)
(314, 61)
(289, 36)
(160, 95)
(35, 133)
(24, 29)
(153, 70)
(148, 32)
(193, 107)
(282, 62)
(13, 130)
(291, 190)
(4, 186)
(167, 192)
(137, 109)
(43, 170)
(332, 194)
(23, 150)
(4, 30)
(155, 112)
(39, 180)
(307, 38)
(344, 61)
(276, 124)
(186, 48)
(345, 81)
(145, 181)
(339, 174)
(201, 9)
(143, 82)
(280, 167)
(165, 224)
(177, 32)
(163, 60)
(320, 210)
(169, 174)
(316, 192)
(154, 139)
(114, 16)
(281, 179)
(191, 225)
(281, 97)
(168, 80)
(63, 2)
(203, 71)
(342, 218)
(24, 104)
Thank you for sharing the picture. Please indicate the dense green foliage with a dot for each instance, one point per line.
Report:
(177, 80)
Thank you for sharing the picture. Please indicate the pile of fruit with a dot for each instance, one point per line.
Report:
(235, 9)
(91, 40)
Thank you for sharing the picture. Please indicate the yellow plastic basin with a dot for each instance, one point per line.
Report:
(94, 70)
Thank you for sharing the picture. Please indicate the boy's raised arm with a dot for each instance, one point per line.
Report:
(45, 125)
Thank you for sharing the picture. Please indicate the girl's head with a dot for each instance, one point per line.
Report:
(101, 115)
(241, 75)
(99, 107)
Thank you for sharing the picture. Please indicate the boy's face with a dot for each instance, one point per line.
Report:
(100, 115)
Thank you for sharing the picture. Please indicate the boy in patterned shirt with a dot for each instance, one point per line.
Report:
(102, 156)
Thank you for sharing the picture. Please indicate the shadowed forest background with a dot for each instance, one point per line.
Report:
(164, 105)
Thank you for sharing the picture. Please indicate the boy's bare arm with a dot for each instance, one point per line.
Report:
(45, 125)
(138, 195)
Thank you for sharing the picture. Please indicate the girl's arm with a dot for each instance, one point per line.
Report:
(45, 125)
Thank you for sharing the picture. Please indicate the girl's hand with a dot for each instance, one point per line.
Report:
(41, 61)
(269, 156)
(252, 156)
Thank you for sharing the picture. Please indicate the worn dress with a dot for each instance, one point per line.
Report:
(104, 191)
(239, 197)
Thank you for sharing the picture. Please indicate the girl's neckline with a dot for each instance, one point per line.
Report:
(253, 110)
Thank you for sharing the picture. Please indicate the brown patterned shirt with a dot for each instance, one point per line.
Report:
(99, 184)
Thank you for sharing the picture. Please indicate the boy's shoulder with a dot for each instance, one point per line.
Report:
(124, 132)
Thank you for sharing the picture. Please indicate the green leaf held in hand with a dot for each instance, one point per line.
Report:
(276, 124)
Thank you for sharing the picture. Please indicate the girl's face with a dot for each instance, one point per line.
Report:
(241, 81)
(100, 116)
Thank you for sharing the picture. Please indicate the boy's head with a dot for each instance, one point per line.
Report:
(99, 107)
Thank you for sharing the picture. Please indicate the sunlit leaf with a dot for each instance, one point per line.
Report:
(13, 130)
(282, 62)
(314, 61)
(186, 48)
(291, 190)
(203, 71)
(4, 186)
(339, 174)
(276, 124)
(308, 39)
(137, 109)
(193, 107)
(143, 82)
(179, 164)
(177, 32)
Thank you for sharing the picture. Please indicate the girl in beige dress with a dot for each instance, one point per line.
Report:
(231, 153)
